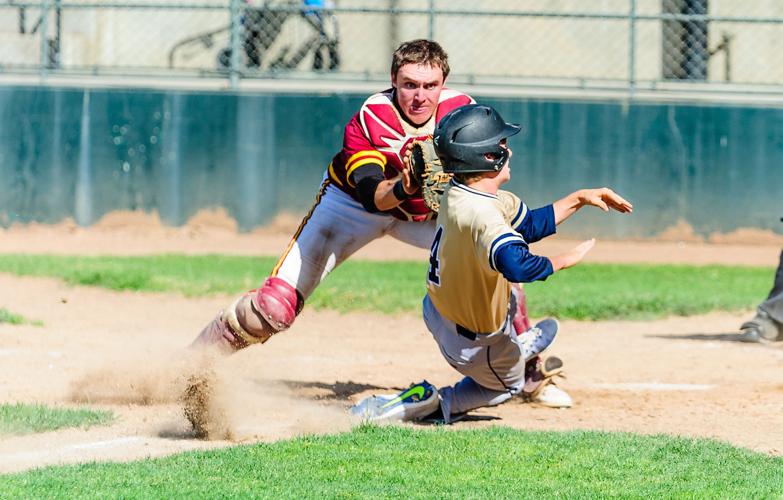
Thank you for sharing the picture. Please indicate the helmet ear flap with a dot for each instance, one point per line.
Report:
(502, 159)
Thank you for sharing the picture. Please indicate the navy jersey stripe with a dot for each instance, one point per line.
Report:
(519, 217)
(499, 242)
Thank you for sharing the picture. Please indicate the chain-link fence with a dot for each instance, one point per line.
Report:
(602, 43)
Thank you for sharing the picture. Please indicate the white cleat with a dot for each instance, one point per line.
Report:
(552, 396)
(414, 403)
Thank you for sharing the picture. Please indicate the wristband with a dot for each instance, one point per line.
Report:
(399, 191)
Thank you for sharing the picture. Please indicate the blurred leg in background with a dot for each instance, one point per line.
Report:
(767, 325)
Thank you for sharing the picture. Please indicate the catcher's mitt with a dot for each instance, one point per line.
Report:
(428, 173)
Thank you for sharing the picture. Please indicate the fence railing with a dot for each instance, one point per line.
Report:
(709, 45)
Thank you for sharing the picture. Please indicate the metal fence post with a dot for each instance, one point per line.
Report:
(632, 47)
(431, 27)
(44, 27)
(58, 34)
(235, 28)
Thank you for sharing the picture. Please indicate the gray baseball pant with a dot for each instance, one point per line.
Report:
(493, 364)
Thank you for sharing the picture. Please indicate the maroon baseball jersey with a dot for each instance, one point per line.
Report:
(378, 134)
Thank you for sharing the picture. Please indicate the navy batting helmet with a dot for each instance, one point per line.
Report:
(468, 138)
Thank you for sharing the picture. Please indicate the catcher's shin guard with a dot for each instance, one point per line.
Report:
(253, 318)
(219, 334)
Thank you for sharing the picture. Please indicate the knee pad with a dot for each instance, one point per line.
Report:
(259, 314)
(278, 303)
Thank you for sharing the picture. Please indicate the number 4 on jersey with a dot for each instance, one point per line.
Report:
(433, 276)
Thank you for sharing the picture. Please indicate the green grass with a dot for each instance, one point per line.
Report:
(190, 275)
(399, 462)
(7, 316)
(605, 291)
(587, 291)
(27, 419)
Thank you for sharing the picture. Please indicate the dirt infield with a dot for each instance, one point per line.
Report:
(125, 352)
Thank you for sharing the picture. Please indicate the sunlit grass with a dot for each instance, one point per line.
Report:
(403, 462)
(587, 291)
(26, 419)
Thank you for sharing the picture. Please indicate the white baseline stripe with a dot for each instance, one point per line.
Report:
(71, 447)
(655, 386)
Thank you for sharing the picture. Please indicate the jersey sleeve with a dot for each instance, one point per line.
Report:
(533, 225)
(493, 234)
(358, 149)
(506, 250)
(513, 208)
(515, 262)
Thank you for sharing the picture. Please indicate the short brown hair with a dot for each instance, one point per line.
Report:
(466, 178)
(420, 51)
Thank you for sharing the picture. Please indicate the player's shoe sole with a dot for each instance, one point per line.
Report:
(751, 335)
(437, 418)
(539, 338)
(414, 403)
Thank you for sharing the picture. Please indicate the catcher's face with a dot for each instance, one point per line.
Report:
(418, 89)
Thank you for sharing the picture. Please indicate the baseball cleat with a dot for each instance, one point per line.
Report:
(540, 386)
(538, 339)
(750, 335)
(553, 397)
(415, 402)
(761, 328)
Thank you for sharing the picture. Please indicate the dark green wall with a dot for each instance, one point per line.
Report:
(83, 153)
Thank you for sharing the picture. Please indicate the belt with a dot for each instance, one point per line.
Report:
(471, 335)
(466, 333)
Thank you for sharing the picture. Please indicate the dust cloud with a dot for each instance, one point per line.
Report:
(219, 401)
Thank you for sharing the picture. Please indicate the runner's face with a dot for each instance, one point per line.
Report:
(504, 174)
(418, 90)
